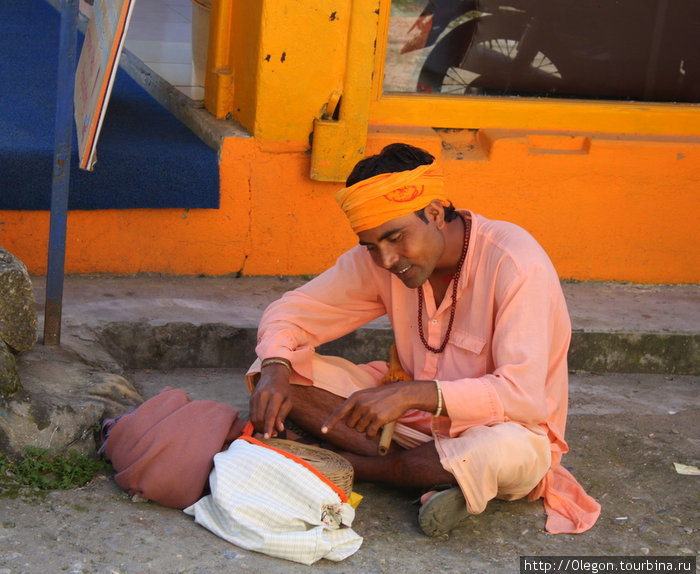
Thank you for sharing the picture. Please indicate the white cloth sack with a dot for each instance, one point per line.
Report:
(269, 502)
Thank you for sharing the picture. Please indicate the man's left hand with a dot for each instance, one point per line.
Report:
(368, 410)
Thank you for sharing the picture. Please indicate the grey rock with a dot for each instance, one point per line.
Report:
(9, 378)
(18, 317)
(62, 402)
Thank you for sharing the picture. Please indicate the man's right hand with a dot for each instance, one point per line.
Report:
(271, 400)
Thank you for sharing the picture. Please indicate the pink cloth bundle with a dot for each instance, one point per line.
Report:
(164, 449)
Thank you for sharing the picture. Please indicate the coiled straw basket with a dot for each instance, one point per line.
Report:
(330, 464)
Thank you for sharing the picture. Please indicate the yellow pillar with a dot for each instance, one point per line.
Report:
(276, 63)
(338, 144)
(218, 83)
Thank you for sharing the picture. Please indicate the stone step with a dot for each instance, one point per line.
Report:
(163, 322)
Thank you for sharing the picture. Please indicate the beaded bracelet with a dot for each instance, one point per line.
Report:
(274, 361)
(438, 411)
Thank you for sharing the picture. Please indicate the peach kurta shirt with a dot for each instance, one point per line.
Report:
(506, 359)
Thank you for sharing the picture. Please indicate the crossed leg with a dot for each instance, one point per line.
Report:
(417, 467)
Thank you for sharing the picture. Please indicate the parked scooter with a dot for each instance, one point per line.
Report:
(617, 49)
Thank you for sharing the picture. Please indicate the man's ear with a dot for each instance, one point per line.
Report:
(435, 211)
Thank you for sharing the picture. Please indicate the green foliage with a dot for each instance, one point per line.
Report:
(43, 470)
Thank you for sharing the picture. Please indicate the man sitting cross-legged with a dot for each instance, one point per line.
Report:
(480, 324)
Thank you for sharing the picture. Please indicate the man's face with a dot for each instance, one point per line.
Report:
(406, 246)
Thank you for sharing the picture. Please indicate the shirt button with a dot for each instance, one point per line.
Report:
(434, 321)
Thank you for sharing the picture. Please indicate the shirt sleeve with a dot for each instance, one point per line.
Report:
(331, 305)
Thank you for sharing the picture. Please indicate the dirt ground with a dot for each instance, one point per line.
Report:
(625, 433)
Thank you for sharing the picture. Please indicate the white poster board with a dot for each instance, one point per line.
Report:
(97, 68)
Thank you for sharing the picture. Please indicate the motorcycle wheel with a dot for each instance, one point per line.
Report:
(479, 58)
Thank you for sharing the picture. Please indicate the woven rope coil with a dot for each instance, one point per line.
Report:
(330, 464)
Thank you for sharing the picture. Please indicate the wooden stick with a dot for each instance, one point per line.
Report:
(395, 373)
(385, 439)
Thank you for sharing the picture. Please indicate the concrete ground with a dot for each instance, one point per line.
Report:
(625, 431)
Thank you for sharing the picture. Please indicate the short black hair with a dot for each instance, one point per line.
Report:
(393, 158)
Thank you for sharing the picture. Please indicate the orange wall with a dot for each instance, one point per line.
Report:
(616, 210)
(605, 207)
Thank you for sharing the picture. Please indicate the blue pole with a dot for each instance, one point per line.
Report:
(68, 44)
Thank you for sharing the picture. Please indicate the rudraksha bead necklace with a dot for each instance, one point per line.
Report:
(455, 282)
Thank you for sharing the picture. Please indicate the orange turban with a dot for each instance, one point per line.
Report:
(374, 201)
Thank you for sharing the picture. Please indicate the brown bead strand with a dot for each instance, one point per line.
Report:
(453, 306)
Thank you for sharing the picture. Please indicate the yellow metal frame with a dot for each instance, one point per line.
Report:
(474, 112)
(251, 80)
